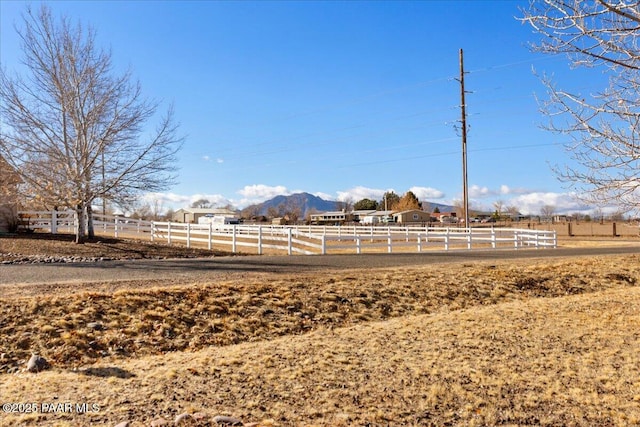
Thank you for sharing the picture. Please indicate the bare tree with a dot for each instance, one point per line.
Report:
(498, 205)
(345, 205)
(513, 211)
(604, 125)
(201, 203)
(73, 129)
(547, 211)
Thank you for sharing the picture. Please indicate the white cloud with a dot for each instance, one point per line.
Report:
(476, 191)
(263, 192)
(207, 158)
(177, 201)
(505, 189)
(424, 193)
(359, 193)
(532, 203)
(324, 196)
(259, 193)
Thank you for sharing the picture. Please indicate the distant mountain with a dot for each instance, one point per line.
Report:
(430, 206)
(307, 202)
(304, 201)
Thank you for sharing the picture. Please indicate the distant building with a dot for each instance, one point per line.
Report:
(279, 221)
(378, 217)
(445, 217)
(193, 215)
(335, 217)
(358, 216)
(412, 216)
(219, 219)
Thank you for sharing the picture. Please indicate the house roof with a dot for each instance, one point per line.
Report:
(382, 213)
(363, 212)
(333, 213)
(412, 210)
(214, 211)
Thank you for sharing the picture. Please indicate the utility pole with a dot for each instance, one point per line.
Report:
(465, 189)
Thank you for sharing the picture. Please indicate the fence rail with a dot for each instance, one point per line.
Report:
(305, 240)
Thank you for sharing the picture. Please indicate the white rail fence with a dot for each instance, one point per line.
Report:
(306, 240)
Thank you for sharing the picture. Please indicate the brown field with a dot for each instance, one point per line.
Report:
(553, 343)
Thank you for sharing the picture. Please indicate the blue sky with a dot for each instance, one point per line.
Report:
(339, 99)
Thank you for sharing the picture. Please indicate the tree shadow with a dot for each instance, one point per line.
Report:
(110, 371)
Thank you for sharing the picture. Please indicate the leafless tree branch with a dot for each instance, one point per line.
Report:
(604, 126)
(73, 129)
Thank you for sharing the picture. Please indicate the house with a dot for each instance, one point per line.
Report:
(335, 217)
(358, 215)
(194, 214)
(9, 181)
(412, 216)
(377, 217)
(279, 221)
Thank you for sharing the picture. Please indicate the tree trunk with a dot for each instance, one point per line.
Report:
(90, 229)
(80, 228)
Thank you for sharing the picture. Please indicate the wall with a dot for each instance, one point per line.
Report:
(588, 229)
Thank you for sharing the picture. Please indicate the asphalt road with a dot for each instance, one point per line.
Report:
(193, 269)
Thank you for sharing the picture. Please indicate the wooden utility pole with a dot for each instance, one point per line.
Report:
(465, 189)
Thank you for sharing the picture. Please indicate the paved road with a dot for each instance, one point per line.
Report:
(199, 268)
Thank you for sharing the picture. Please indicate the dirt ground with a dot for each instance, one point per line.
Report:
(537, 342)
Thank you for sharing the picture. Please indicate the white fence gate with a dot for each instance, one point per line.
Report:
(305, 240)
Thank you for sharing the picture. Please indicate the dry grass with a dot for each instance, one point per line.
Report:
(61, 245)
(524, 342)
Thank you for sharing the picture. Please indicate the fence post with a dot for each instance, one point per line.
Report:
(209, 242)
(289, 241)
(324, 244)
(469, 239)
(115, 227)
(493, 237)
(233, 239)
(153, 230)
(358, 249)
(515, 239)
(419, 242)
(446, 239)
(54, 222)
(389, 241)
(188, 235)
(259, 240)
(168, 233)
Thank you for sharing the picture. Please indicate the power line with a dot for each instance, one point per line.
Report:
(450, 153)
